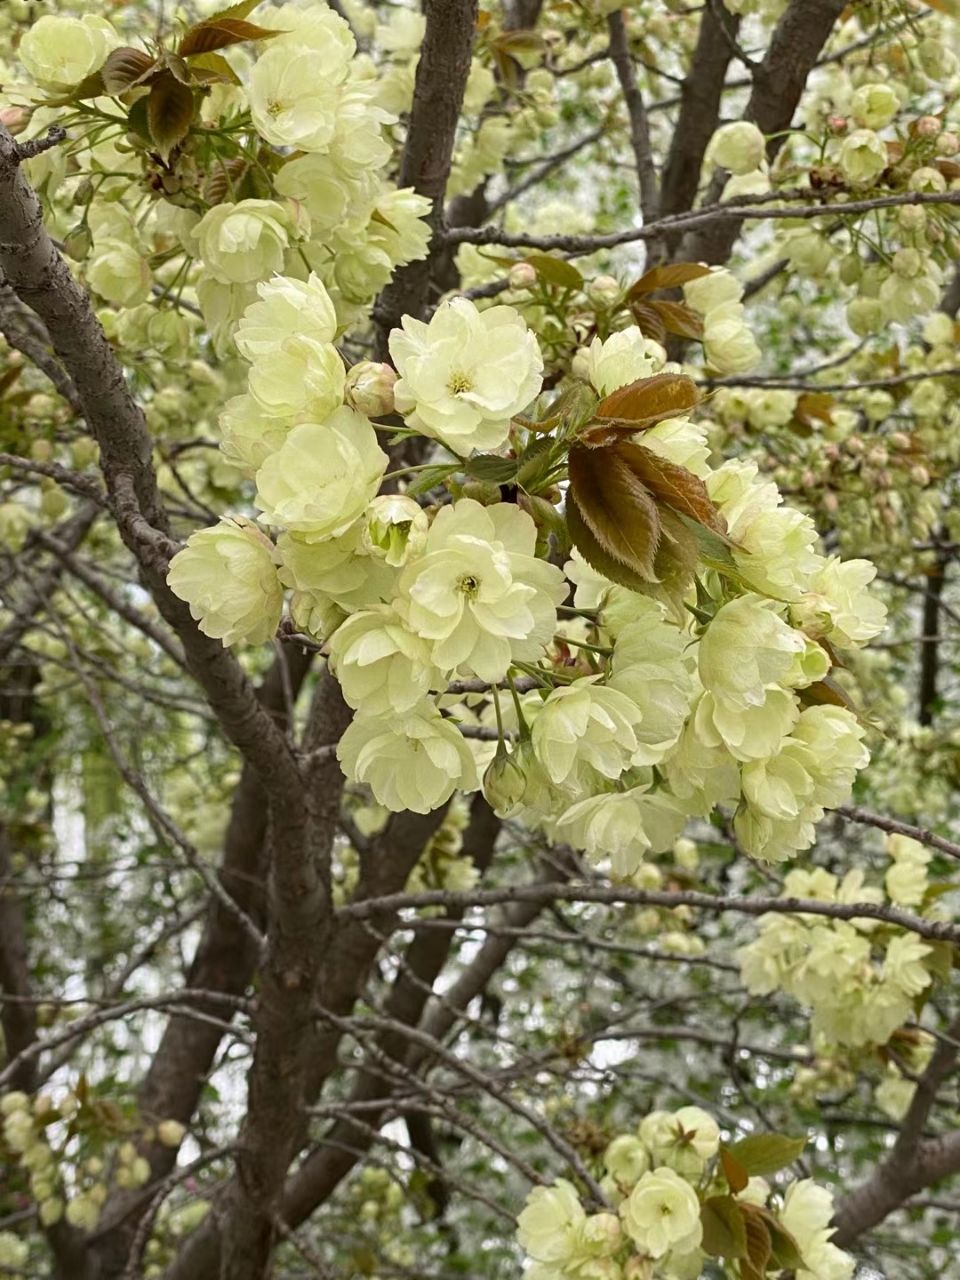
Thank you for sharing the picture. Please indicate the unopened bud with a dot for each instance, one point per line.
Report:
(603, 291)
(78, 243)
(522, 276)
(504, 784)
(170, 1132)
(837, 124)
(369, 388)
(920, 475)
(948, 144)
(928, 127)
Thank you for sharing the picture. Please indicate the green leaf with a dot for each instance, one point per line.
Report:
(555, 270)
(724, 1229)
(170, 109)
(573, 408)
(89, 87)
(763, 1153)
(491, 467)
(424, 481)
(220, 33)
(595, 555)
(940, 960)
(534, 463)
(715, 552)
(211, 68)
(619, 511)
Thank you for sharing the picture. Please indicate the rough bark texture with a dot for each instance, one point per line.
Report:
(647, 178)
(425, 165)
(778, 82)
(700, 98)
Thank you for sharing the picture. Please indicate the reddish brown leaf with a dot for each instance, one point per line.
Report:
(759, 1245)
(124, 68)
(220, 33)
(679, 319)
(170, 110)
(619, 511)
(784, 1251)
(648, 321)
(669, 394)
(222, 181)
(594, 554)
(667, 277)
(678, 554)
(672, 485)
(814, 406)
(242, 9)
(734, 1172)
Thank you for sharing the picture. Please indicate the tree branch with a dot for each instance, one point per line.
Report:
(636, 111)
(431, 133)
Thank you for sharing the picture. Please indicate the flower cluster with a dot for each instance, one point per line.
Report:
(860, 981)
(669, 1188)
(411, 599)
(61, 1146)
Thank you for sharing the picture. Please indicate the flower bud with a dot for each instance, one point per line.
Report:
(522, 276)
(369, 388)
(170, 1132)
(53, 501)
(738, 146)
(927, 127)
(912, 217)
(504, 783)
(948, 144)
(14, 527)
(603, 291)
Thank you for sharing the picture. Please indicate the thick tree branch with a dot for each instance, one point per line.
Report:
(431, 133)
(223, 963)
(700, 100)
(778, 82)
(647, 177)
(915, 1162)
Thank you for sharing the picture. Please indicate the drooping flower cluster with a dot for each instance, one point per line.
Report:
(666, 1189)
(861, 982)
